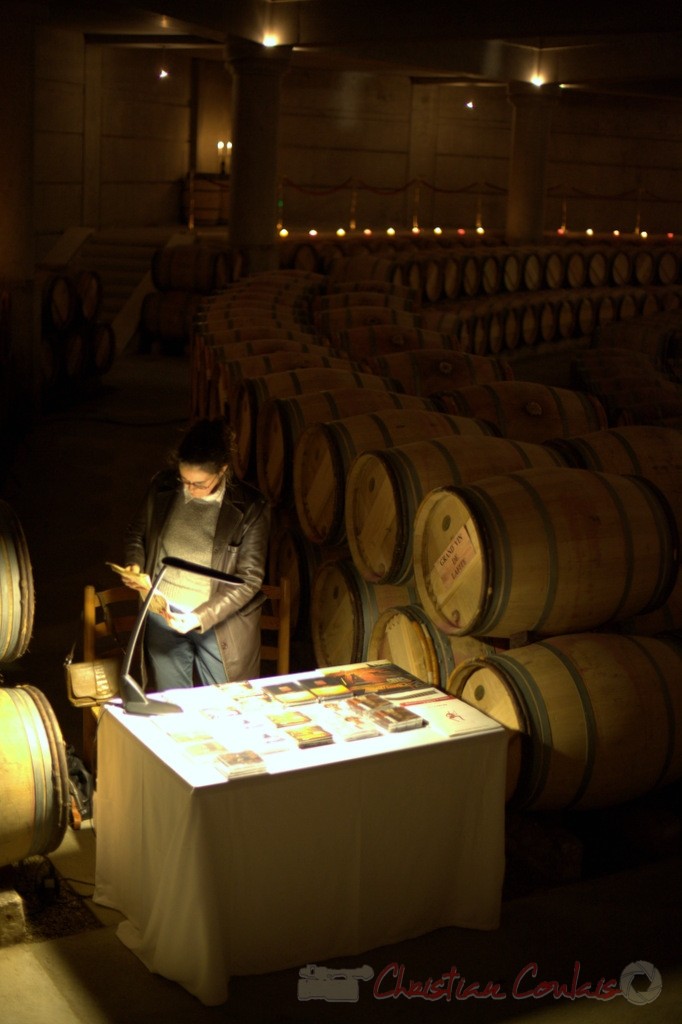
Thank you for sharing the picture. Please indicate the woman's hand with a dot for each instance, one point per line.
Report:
(183, 622)
(135, 579)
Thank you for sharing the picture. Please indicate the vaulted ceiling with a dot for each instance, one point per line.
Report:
(602, 47)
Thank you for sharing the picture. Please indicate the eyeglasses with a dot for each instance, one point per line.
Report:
(199, 485)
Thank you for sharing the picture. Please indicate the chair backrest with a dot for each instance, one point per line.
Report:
(108, 618)
(276, 625)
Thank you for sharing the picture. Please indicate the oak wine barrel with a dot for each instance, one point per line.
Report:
(543, 551)
(193, 268)
(233, 371)
(424, 371)
(34, 777)
(406, 637)
(654, 453)
(88, 284)
(596, 719)
(59, 304)
(344, 609)
(375, 340)
(525, 410)
(17, 597)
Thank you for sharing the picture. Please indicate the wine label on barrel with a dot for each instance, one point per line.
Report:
(459, 553)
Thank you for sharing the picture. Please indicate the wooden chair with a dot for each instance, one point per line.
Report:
(108, 618)
(276, 625)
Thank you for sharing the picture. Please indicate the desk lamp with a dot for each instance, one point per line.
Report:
(135, 701)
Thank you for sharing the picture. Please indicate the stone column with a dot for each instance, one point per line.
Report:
(533, 106)
(422, 150)
(257, 73)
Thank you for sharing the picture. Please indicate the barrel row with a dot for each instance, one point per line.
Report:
(555, 695)
(413, 546)
(442, 270)
(353, 619)
(249, 318)
(279, 405)
(499, 325)
(298, 383)
(386, 492)
(75, 344)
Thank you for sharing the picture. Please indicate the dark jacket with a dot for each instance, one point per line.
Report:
(240, 547)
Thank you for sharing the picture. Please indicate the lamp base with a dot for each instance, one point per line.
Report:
(150, 707)
(136, 702)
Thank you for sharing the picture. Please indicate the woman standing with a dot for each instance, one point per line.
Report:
(196, 511)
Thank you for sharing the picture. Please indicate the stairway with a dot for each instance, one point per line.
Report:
(122, 258)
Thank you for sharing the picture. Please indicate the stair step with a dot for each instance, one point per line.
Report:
(132, 236)
(115, 255)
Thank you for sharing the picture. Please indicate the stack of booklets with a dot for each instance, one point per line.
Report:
(312, 735)
(235, 764)
(383, 678)
(346, 724)
(389, 717)
(335, 684)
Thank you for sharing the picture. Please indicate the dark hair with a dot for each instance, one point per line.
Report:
(207, 443)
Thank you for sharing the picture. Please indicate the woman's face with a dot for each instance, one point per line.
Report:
(200, 481)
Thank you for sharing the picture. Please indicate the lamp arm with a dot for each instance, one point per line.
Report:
(139, 622)
(135, 701)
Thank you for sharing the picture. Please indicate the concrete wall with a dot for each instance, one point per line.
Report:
(145, 137)
(111, 138)
(338, 126)
(58, 135)
(385, 132)
(112, 144)
(610, 148)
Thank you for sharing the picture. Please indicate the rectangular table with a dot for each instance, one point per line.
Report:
(337, 850)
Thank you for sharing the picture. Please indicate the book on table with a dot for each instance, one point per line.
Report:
(288, 719)
(241, 762)
(452, 716)
(327, 691)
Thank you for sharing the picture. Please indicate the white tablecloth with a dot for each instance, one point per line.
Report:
(337, 850)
